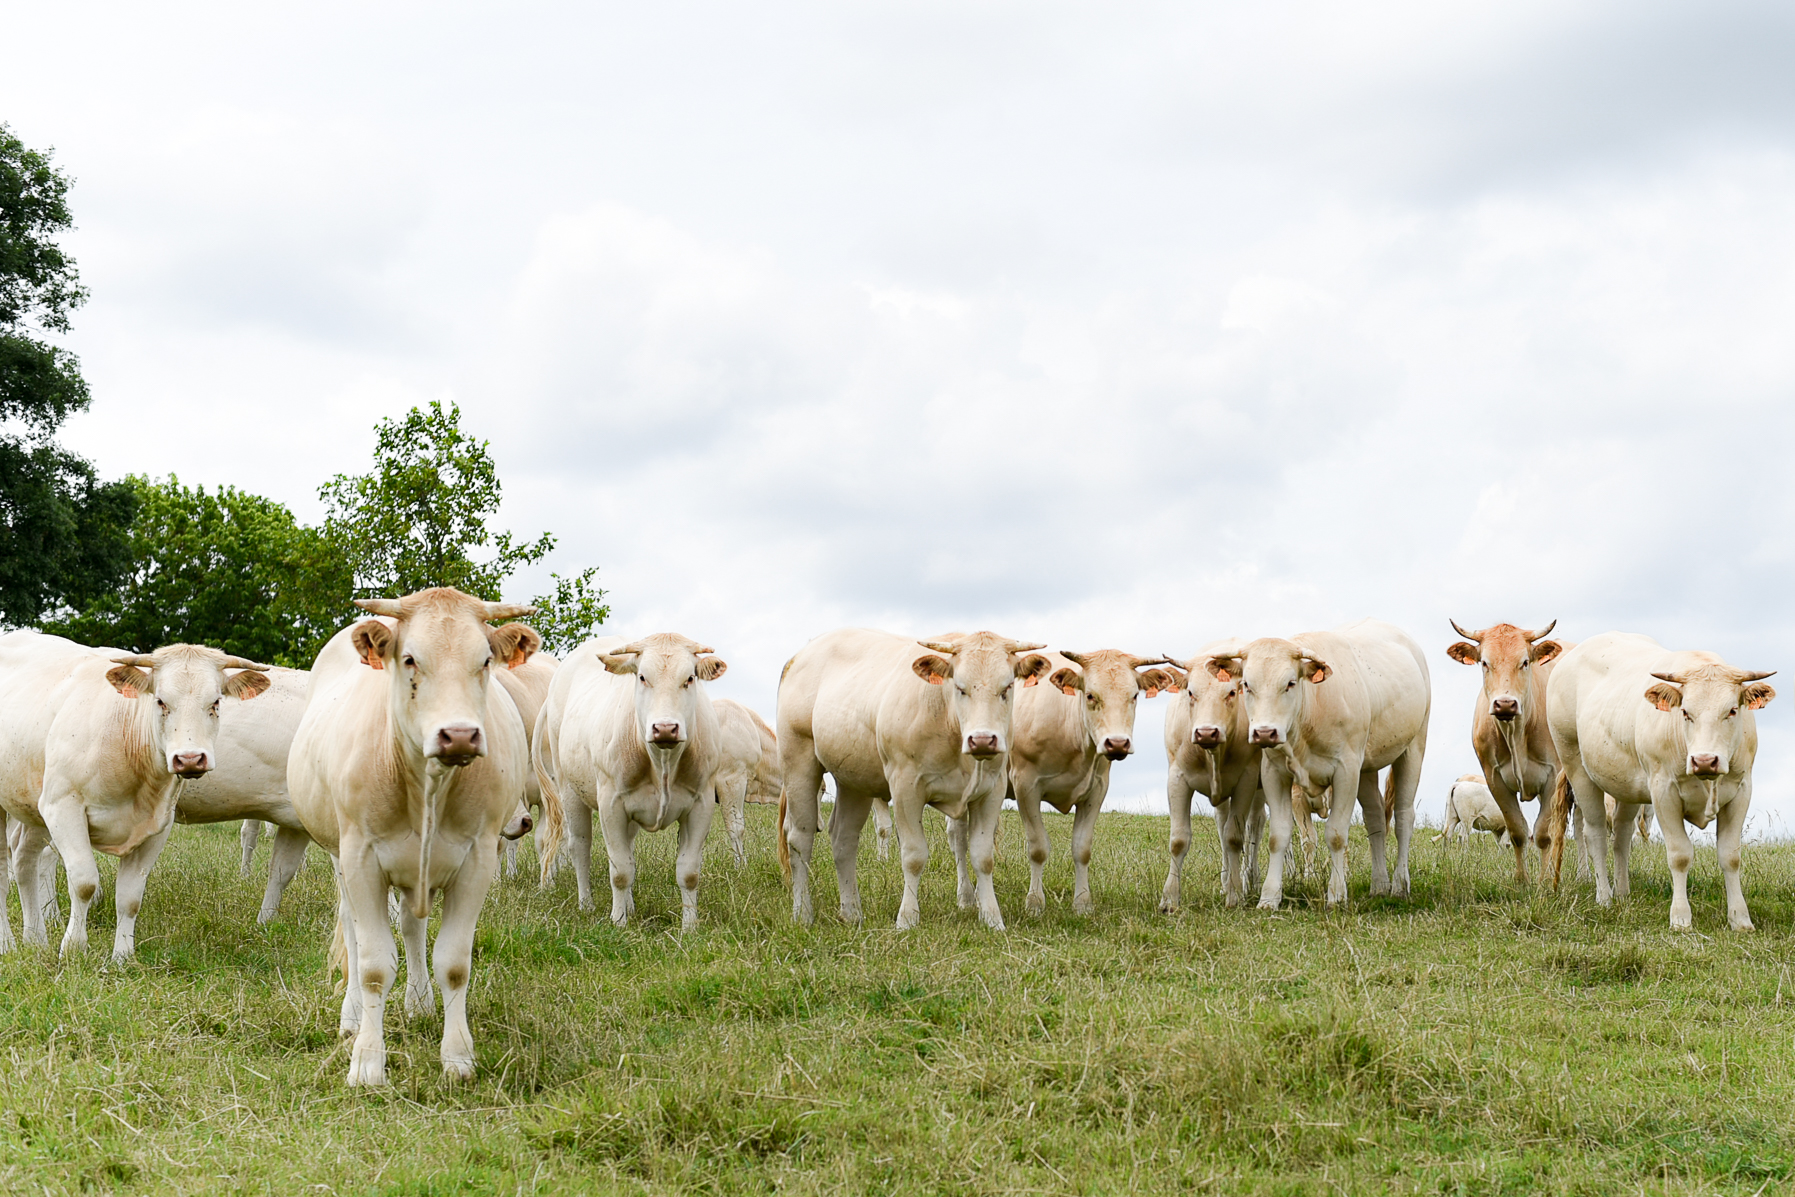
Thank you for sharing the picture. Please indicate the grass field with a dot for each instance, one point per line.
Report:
(1472, 1040)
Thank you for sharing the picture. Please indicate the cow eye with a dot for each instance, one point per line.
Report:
(690, 680)
(1732, 712)
(411, 662)
(162, 706)
(215, 706)
(1290, 685)
(1688, 716)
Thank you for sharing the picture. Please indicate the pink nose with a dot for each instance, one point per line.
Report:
(664, 733)
(1117, 747)
(1505, 709)
(1265, 735)
(1704, 764)
(1206, 736)
(982, 744)
(190, 764)
(459, 744)
(518, 828)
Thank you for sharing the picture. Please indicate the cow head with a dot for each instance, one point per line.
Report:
(1274, 676)
(979, 673)
(1108, 684)
(441, 653)
(186, 683)
(1509, 656)
(1708, 700)
(1215, 703)
(667, 668)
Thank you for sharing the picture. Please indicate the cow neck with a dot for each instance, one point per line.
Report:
(663, 778)
(1514, 737)
(431, 781)
(157, 791)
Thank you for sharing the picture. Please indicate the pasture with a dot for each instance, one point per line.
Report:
(1470, 1040)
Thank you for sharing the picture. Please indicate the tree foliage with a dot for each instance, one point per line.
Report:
(64, 530)
(571, 612)
(419, 519)
(225, 568)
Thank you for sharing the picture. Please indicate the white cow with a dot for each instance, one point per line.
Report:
(1672, 730)
(93, 753)
(1471, 807)
(928, 728)
(1209, 752)
(408, 762)
(250, 780)
(1064, 737)
(528, 685)
(1331, 709)
(749, 766)
(628, 733)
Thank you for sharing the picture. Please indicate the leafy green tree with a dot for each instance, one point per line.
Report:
(420, 517)
(65, 532)
(571, 612)
(225, 568)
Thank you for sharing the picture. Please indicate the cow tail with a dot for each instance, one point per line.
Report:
(553, 815)
(782, 849)
(338, 960)
(1389, 798)
(1560, 825)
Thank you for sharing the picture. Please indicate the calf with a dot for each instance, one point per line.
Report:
(748, 762)
(1471, 807)
(1209, 752)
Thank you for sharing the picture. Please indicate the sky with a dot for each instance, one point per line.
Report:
(1106, 326)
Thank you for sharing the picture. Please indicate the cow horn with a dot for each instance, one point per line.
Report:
(633, 648)
(1545, 631)
(506, 610)
(380, 606)
(141, 660)
(1674, 678)
(1024, 646)
(240, 663)
(698, 650)
(1135, 662)
(1475, 637)
(1075, 658)
(1756, 675)
(940, 646)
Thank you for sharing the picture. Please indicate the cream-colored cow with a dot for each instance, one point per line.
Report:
(1471, 807)
(749, 770)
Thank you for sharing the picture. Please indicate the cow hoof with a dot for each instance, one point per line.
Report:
(458, 1068)
(1169, 905)
(367, 1070)
(907, 920)
(420, 1003)
(1083, 904)
(1036, 904)
(1743, 925)
(1232, 901)
(620, 920)
(968, 899)
(348, 1030)
(993, 922)
(852, 915)
(688, 922)
(1269, 903)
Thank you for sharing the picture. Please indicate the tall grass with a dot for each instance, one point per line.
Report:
(1474, 1039)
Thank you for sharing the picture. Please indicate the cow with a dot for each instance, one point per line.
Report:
(408, 762)
(1063, 738)
(1672, 730)
(1332, 709)
(1471, 807)
(94, 750)
(1508, 725)
(250, 780)
(1208, 752)
(629, 734)
(528, 684)
(928, 728)
(749, 765)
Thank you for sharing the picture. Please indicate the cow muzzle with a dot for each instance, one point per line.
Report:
(1207, 735)
(1704, 764)
(1117, 747)
(1263, 736)
(1505, 710)
(189, 764)
(519, 827)
(457, 744)
(666, 734)
(983, 745)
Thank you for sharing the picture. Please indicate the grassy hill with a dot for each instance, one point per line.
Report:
(1472, 1040)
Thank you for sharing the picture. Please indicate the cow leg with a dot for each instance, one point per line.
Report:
(1593, 831)
(579, 841)
(283, 865)
(247, 835)
(965, 891)
(1405, 780)
(690, 857)
(1231, 825)
(1729, 828)
(414, 934)
(1303, 815)
(1037, 844)
(508, 851)
(376, 960)
(802, 784)
(28, 858)
(913, 848)
(846, 826)
(1377, 834)
(1621, 827)
(1347, 787)
(982, 818)
(1514, 820)
(882, 827)
(8, 835)
(133, 876)
(66, 821)
(462, 898)
(1255, 829)
(1678, 852)
(349, 1019)
(733, 797)
(620, 849)
(1275, 778)
(1583, 856)
(1178, 795)
(1084, 836)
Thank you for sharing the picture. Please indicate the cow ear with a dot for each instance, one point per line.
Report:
(1030, 669)
(372, 639)
(1223, 669)
(932, 669)
(128, 680)
(1180, 680)
(711, 668)
(1757, 695)
(514, 643)
(1317, 671)
(1464, 652)
(246, 684)
(1664, 696)
(1546, 650)
(1067, 681)
(1155, 680)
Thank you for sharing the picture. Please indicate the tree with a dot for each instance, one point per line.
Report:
(570, 613)
(64, 530)
(415, 521)
(225, 568)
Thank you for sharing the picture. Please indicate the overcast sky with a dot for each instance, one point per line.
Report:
(1109, 326)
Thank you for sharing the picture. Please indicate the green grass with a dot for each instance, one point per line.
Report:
(1474, 1040)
